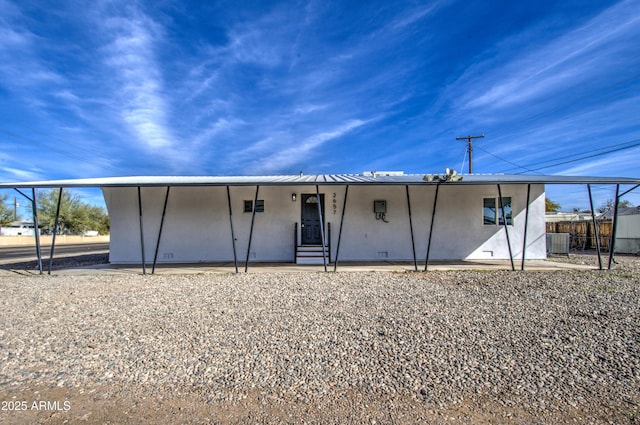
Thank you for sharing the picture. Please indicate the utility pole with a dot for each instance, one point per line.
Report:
(15, 208)
(469, 140)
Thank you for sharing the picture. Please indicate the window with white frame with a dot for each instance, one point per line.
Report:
(492, 212)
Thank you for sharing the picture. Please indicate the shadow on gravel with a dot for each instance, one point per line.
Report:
(58, 263)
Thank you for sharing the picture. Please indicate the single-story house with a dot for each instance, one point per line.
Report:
(18, 228)
(327, 218)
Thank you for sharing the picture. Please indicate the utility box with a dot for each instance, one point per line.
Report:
(380, 207)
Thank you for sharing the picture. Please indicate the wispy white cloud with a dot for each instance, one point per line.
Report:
(252, 46)
(21, 174)
(267, 41)
(412, 16)
(559, 136)
(20, 66)
(220, 126)
(284, 159)
(67, 96)
(304, 109)
(610, 165)
(131, 55)
(567, 61)
(200, 84)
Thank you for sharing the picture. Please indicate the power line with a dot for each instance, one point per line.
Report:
(505, 160)
(585, 157)
(579, 154)
(633, 143)
(464, 158)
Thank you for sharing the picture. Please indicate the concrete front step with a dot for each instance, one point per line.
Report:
(310, 260)
(311, 254)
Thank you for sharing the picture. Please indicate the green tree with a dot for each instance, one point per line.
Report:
(550, 206)
(97, 218)
(609, 204)
(75, 215)
(6, 213)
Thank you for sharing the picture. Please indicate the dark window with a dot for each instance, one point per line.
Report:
(506, 203)
(489, 211)
(493, 215)
(248, 206)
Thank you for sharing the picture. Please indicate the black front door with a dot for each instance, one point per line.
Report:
(311, 232)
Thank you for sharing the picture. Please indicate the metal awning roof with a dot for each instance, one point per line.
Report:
(313, 179)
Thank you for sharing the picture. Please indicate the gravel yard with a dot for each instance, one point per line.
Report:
(436, 347)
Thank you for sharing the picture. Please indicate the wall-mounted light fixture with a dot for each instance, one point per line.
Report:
(293, 197)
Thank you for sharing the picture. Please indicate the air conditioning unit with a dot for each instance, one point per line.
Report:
(558, 243)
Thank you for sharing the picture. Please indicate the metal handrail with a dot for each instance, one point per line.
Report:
(329, 240)
(295, 241)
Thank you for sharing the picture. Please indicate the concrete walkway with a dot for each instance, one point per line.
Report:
(164, 269)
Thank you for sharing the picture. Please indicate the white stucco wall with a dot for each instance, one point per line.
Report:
(197, 229)
(458, 231)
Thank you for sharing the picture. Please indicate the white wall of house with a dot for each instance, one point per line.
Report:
(197, 227)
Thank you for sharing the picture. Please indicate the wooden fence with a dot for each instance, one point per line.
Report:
(581, 233)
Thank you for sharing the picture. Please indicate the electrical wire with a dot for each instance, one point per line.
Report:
(585, 157)
(502, 159)
(464, 157)
(581, 153)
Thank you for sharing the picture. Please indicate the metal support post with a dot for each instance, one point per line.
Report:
(164, 211)
(55, 231)
(433, 216)
(36, 227)
(526, 223)
(595, 228)
(144, 266)
(324, 254)
(344, 207)
(506, 230)
(233, 236)
(612, 246)
(413, 243)
(253, 218)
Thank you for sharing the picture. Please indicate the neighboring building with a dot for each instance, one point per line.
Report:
(18, 228)
(556, 217)
(628, 229)
(567, 231)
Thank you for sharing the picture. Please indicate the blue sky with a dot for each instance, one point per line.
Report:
(226, 88)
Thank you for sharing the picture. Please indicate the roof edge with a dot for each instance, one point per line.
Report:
(317, 179)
